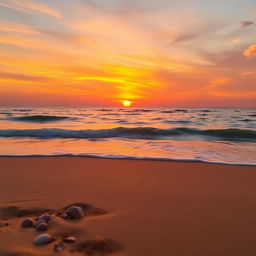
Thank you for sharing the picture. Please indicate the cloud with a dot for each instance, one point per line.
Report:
(200, 31)
(23, 77)
(67, 37)
(30, 6)
(246, 23)
(229, 60)
(251, 51)
(248, 73)
(218, 82)
(234, 42)
(13, 27)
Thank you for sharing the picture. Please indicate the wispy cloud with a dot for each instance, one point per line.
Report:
(250, 51)
(30, 6)
(215, 83)
(234, 42)
(13, 27)
(246, 23)
(24, 77)
(249, 73)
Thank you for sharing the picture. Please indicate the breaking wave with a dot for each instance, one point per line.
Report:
(39, 118)
(134, 133)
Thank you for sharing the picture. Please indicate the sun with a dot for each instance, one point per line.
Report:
(126, 103)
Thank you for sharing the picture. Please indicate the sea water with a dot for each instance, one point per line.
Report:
(218, 135)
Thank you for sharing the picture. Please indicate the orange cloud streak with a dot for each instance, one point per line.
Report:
(30, 6)
(251, 51)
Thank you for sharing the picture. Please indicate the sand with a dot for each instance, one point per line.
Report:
(150, 208)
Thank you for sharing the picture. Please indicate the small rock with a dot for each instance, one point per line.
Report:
(39, 221)
(4, 224)
(64, 216)
(27, 223)
(59, 247)
(75, 212)
(69, 239)
(41, 226)
(45, 218)
(43, 239)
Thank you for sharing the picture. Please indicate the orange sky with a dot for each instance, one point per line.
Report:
(154, 53)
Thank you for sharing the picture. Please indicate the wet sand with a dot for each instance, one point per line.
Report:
(150, 207)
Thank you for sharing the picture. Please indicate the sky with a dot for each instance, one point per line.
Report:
(155, 53)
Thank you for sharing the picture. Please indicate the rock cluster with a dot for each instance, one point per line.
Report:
(41, 223)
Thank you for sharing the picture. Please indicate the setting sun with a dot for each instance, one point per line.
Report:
(127, 103)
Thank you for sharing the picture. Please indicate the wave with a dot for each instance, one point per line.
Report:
(177, 122)
(206, 110)
(247, 120)
(157, 118)
(5, 113)
(104, 109)
(134, 133)
(22, 110)
(143, 110)
(167, 111)
(39, 118)
(181, 110)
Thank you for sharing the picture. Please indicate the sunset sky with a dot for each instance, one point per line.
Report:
(151, 52)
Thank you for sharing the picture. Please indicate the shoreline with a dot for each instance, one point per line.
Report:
(128, 158)
(152, 207)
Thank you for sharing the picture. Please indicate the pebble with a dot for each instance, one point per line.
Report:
(69, 239)
(4, 224)
(27, 223)
(43, 239)
(64, 216)
(75, 212)
(42, 226)
(45, 218)
(59, 247)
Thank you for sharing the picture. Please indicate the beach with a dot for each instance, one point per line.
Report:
(127, 128)
(150, 207)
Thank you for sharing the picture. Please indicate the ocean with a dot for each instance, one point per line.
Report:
(216, 135)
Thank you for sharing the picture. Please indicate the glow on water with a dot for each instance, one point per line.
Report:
(112, 148)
